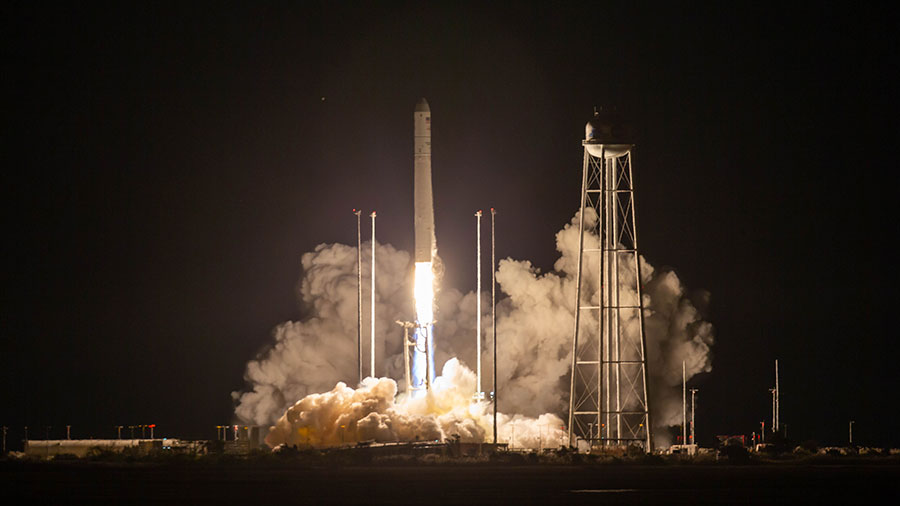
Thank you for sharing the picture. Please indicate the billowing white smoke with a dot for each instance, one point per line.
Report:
(534, 328)
(312, 355)
(374, 412)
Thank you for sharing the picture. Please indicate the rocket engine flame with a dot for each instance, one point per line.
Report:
(424, 293)
(423, 357)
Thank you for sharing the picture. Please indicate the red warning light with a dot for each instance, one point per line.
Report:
(152, 425)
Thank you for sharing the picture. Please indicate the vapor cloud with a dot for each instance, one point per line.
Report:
(374, 412)
(534, 327)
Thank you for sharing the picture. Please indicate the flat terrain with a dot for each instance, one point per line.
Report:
(243, 483)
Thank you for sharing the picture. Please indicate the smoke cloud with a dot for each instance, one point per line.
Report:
(374, 412)
(534, 328)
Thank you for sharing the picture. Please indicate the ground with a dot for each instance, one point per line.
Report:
(280, 483)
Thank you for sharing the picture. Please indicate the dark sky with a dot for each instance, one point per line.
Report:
(165, 168)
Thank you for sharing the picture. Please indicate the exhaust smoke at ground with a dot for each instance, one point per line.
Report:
(374, 412)
(534, 328)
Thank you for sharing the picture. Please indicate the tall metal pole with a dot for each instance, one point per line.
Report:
(358, 213)
(4, 439)
(773, 391)
(478, 304)
(372, 341)
(603, 311)
(683, 404)
(851, 432)
(606, 268)
(777, 392)
(494, 317)
(693, 434)
(614, 325)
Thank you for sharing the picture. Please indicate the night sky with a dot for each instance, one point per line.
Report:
(165, 169)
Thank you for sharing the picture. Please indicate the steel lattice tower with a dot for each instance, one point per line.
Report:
(608, 393)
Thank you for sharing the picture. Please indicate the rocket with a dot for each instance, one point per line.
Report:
(422, 373)
(424, 203)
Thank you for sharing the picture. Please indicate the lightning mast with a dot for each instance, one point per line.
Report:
(479, 393)
(358, 213)
(372, 340)
(777, 399)
(494, 317)
(683, 404)
(608, 384)
(775, 406)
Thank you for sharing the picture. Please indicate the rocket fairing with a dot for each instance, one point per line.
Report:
(424, 203)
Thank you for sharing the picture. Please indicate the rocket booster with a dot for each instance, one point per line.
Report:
(424, 203)
(422, 370)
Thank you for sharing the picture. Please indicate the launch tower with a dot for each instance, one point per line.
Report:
(608, 403)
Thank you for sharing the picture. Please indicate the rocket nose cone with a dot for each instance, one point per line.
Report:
(422, 105)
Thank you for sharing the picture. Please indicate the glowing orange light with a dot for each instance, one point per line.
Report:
(424, 292)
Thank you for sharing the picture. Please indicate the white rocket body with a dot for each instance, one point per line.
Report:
(424, 202)
(422, 372)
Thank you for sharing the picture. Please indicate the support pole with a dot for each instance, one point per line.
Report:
(773, 391)
(777, 407)
(683, 403)
(406, 345)
(494, 316)
(851, 432)
(478, 389)
(693, 403)
(358, 213)
(612, 185)
(372, 340)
